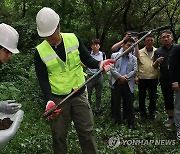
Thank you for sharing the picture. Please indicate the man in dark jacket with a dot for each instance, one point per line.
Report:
(174, 72)
(161, 57)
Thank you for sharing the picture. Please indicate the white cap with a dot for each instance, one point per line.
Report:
(9, 38)
(47, 21)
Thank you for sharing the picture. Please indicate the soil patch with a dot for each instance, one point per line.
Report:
(5, 123)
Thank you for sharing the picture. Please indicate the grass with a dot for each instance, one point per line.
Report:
(34, 136)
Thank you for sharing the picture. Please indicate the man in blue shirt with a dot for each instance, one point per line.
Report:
(122, 79)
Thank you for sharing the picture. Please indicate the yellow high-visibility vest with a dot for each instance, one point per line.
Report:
(63, 76)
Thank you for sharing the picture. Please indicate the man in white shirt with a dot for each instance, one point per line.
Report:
(97, 82)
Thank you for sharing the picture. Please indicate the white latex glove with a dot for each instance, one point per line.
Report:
(106, 65)
(9, 106)
(7, 134)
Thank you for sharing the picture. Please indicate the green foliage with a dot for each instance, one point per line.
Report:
(8, 91)
(28, 34)
(105, 19)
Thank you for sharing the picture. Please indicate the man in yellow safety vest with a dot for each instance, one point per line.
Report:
(58, 67)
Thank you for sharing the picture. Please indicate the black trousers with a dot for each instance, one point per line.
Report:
(96, 83)
(122, 91)
(149, 85)
(112, 103)
(168, 94)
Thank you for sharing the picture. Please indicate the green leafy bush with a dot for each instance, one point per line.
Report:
(8, 91)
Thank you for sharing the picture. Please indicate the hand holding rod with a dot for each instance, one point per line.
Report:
(50, 111)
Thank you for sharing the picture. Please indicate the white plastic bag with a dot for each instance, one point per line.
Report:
(7, 134)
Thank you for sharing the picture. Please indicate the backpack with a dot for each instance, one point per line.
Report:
(104, 55)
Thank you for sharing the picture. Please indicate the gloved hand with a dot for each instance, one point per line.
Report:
(107, 64)
(49, 105)
(7, 134)
(9, 107)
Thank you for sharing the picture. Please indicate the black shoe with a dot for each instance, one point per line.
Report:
(151, 117)
(143, 118)
(97, 112)
(111, 116)
(124, 117)
(118, 122)
(136, 109)
(131, 126)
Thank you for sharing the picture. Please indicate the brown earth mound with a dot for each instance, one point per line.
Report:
(5, 123)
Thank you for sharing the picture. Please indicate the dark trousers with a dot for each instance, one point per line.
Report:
(112, 103)
(151, 86)
(168, 94)
(122, 91)
(78, 110)
(96, 83)
(177, 110)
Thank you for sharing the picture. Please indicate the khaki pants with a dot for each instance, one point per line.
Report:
(77, 109)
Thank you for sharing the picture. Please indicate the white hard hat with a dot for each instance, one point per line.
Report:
(9, 38)
(47, 21)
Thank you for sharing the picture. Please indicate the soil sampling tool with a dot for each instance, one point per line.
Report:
(50, 111)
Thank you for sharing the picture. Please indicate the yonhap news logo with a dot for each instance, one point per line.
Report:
(116, 141)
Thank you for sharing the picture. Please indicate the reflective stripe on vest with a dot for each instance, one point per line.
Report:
(55, 55)
(63, 76)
